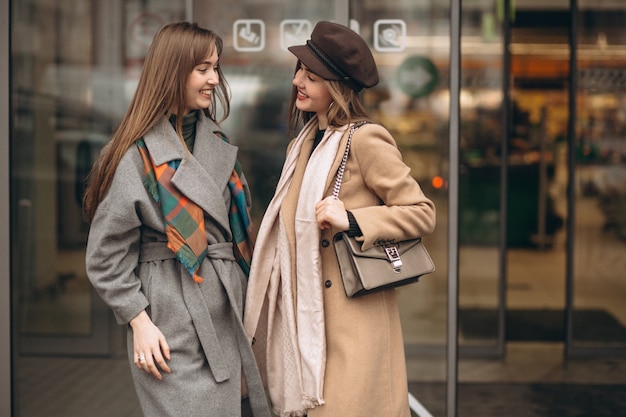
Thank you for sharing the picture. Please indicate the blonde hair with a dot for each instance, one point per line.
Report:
(176, 49)
(347, 107)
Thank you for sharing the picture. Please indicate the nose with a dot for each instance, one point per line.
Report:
(214, 79)
(297, 78)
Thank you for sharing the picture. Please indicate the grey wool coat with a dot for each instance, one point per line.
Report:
(132, 269)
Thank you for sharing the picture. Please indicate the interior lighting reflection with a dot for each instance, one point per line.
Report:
(438, 182)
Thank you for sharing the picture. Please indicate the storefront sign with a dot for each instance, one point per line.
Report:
(417, 76)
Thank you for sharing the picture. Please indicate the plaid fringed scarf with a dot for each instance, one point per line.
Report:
(239, 217)
(184, 220)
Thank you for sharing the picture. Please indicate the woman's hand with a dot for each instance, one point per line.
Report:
(149, 346)
(330, 212)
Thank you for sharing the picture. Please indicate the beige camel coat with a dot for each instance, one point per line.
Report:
(365, 368)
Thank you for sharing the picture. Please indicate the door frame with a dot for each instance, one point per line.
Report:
(6, 339)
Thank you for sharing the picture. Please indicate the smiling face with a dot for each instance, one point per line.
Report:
(313, 95)
(200, 83)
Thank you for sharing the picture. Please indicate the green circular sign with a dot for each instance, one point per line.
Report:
(417, 76)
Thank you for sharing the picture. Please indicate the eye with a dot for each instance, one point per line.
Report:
(307, 73)
(312, 76)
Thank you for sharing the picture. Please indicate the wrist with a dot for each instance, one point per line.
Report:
(139, 318)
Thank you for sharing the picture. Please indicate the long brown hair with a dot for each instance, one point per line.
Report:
(176, 49)
(347, 107)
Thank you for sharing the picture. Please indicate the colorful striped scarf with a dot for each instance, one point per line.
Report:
(184, 219)
(239, 218)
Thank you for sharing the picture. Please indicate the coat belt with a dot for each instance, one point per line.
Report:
(158, 251)
(196, 304)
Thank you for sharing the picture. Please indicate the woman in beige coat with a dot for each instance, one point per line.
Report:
(321, 353)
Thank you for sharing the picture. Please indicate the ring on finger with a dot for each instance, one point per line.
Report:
(142, 358)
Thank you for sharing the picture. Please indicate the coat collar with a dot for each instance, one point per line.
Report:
(203, 176)
(305, 152)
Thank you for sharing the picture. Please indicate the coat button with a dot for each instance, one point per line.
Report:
(328, 283)
(325, 243)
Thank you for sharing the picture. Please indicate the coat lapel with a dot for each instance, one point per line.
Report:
(205, 175)
(330, 179)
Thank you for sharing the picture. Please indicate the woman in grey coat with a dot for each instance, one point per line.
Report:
(170, 239)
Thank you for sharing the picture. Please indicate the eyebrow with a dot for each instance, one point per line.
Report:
(311, 73)
(209, 62)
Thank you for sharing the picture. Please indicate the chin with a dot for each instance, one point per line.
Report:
(301, 107)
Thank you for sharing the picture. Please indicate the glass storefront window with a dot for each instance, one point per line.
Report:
(600, 180)
(259, 70)
(412, 101)
(74, 67)
(537, 212)
(480, 167)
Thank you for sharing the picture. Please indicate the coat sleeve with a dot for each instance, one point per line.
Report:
(405, 211)
(113, 245)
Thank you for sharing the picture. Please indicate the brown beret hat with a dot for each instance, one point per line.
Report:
(336, 52)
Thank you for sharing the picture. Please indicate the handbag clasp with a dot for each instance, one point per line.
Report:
(394, 257)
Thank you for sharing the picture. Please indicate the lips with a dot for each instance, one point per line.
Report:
(206, 93)
(302, 96)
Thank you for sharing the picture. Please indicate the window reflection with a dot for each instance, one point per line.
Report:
(600, 181)
(70, 86)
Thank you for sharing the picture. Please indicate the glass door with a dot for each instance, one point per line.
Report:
(56, 128)
(259, 70)
(410, 43)
(536, 246)
(72, 78)
(483, 178)
(598, 188)
(74, 67)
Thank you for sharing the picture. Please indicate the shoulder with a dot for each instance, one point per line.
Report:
(126, 187)
(131, 161)
(374, 146)
(371, 136)
(129, 172)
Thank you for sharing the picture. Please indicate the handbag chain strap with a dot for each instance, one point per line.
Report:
(391, 250)
(344, 159)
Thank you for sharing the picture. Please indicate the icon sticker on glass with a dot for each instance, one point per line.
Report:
(389, 35)
(249, 35)
(294, 32)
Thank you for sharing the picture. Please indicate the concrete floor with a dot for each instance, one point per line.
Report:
(532, 381)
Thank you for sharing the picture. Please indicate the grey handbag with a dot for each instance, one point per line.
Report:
(383, 266)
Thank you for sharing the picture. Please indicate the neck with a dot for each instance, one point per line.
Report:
(322, 121)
